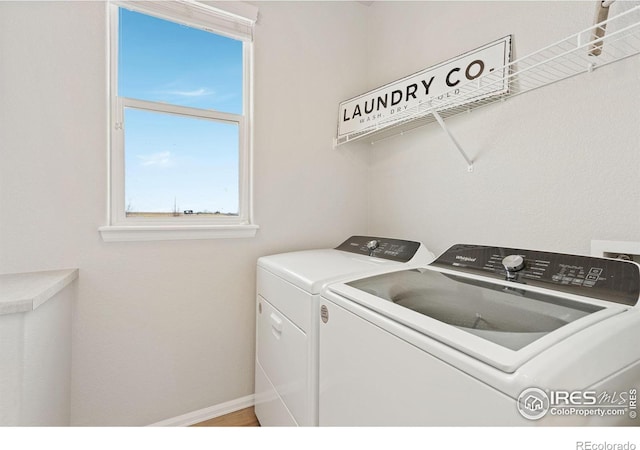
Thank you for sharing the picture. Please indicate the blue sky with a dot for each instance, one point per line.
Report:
(167, 157)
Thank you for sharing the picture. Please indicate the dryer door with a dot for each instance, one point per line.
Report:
(282, 357)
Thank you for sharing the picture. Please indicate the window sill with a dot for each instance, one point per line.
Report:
(128, 233)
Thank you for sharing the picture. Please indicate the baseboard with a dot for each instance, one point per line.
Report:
(207, 413)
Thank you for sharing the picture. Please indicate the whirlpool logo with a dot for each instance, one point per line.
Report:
(534, 403)
(465, 258)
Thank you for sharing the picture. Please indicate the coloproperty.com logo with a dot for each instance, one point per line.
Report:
(534, 403)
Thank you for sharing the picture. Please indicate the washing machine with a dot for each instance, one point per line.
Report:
(287, 317)
(483, 336)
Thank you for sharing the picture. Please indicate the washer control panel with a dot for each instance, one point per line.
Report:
(607, 279)
(385, 248)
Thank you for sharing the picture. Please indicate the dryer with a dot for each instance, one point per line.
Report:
(483, 336)
(287, 316)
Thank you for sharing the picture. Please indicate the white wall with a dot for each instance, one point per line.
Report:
(166, 328)
(554, 168)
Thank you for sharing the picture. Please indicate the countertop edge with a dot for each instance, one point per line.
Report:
(39, 295)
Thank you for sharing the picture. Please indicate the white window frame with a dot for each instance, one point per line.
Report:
(197, 15)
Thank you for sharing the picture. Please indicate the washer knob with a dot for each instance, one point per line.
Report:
(513, 263)
(372, 245)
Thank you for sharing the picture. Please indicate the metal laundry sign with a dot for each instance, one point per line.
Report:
(391, 103)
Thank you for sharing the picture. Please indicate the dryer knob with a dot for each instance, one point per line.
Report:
(513, 263)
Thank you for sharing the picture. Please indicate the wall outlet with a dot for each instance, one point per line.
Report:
(616, 249)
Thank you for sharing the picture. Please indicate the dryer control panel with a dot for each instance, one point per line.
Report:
(385, 248)
(606, 279)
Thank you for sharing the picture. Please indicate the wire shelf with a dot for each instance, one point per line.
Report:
(609, 41)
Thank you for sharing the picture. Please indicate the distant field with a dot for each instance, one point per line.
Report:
(165, 214)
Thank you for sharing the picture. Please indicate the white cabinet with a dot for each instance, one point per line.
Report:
(35, 348)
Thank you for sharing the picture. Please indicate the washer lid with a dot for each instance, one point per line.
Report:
(498, 322)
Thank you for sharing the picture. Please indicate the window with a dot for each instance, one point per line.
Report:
(180, 84)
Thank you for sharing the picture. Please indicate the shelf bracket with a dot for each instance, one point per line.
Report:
(453, 139)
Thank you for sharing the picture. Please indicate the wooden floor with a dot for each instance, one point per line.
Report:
(243, 418)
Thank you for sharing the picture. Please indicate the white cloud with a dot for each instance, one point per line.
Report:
(202, 92)
(160, 159)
